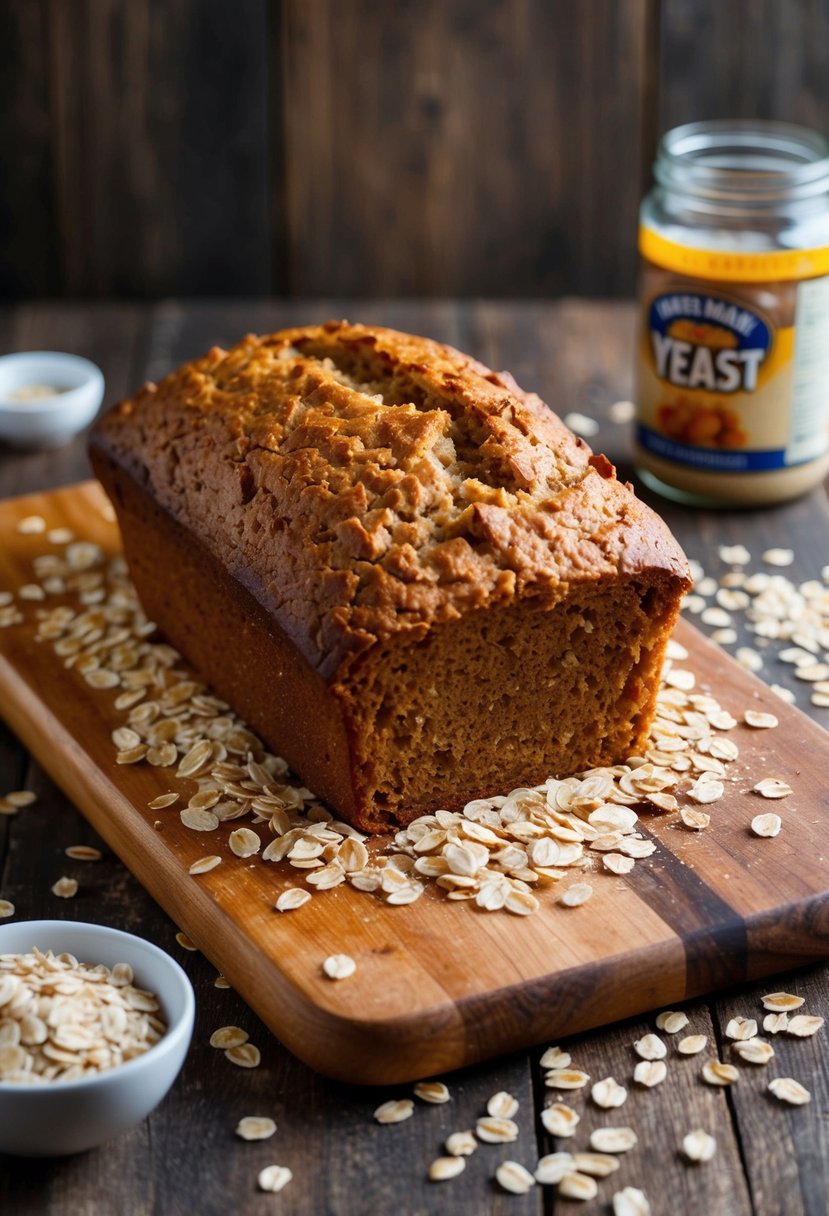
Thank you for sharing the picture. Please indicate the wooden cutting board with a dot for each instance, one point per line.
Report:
(439, 984)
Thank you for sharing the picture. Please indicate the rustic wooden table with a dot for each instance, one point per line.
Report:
(771, 1160)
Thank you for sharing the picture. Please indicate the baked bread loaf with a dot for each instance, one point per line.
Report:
(407, 574)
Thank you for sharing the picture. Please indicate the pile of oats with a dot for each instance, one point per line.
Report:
(61, 1020)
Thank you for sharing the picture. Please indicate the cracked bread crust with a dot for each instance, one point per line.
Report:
(365, 485)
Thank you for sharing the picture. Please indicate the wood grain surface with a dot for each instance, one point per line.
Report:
(465, 147)
(770, 1161)
(705, 910)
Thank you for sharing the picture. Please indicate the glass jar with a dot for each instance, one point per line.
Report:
(733, 361)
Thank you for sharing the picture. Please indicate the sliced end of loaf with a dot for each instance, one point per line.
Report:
(507, 698)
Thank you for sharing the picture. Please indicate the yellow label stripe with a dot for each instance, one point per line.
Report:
(731, 267)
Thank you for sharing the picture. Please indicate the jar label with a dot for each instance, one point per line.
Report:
(733, 266)
(731, 381)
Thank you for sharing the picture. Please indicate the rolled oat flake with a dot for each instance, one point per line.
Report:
(733, 367)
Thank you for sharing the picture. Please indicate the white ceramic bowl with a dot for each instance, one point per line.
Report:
(49, 1120)
(50, 421)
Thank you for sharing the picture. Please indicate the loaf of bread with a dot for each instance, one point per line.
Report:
(405, 572)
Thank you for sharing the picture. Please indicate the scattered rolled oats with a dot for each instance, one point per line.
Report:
(554, 1057)
(220, 982)
(576, 895)
(578, 1186)
(698, 1145)
(185, 942)
(83, 852)
(778, 557)
(599, 1165)
(753, 1051)
(228, 1036)
(706, 791)
(751, 660)
(773, 1023)
(608, 1093)
(60, 536)
(434, 1092)
(461, 1144)
(804, 1025)
(741, 1028)
(613, 1139)
(631, 1202)
(560, 1120)
(734, 555)
(760, 721)
(692, 1045)
(245, 1055)
(717, 1073)
(622, 411)
(513, 1177)
(339, 966)
(782, 1002)
(291, 898)
(772, 787)
(132, 755)
(617, 863)
(766, 825)
(697, 821)
(199, 821)
(66, 888)
(244, 842)
(650, 1047)
(495, 1130)
(716, 616)
(6, 908)
(274, 1178)
(255, 1127)
(566, 1078)
(31, 525)
(671, 1021)
(205, 864)
(443, 1168)
(582, 425)
(552, 1167)
(162, 801)
(21, 798)
(502, 1105)
(789, 1090)
(650, 1073)
(394, 1111)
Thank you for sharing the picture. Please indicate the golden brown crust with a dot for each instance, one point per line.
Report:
(364, 484)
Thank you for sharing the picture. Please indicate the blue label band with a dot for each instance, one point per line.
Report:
(714, 460)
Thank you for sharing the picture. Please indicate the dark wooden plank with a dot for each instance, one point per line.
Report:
(28, 232)
(746, 59)
(111, 335)
(160, 113)
(481, 148)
